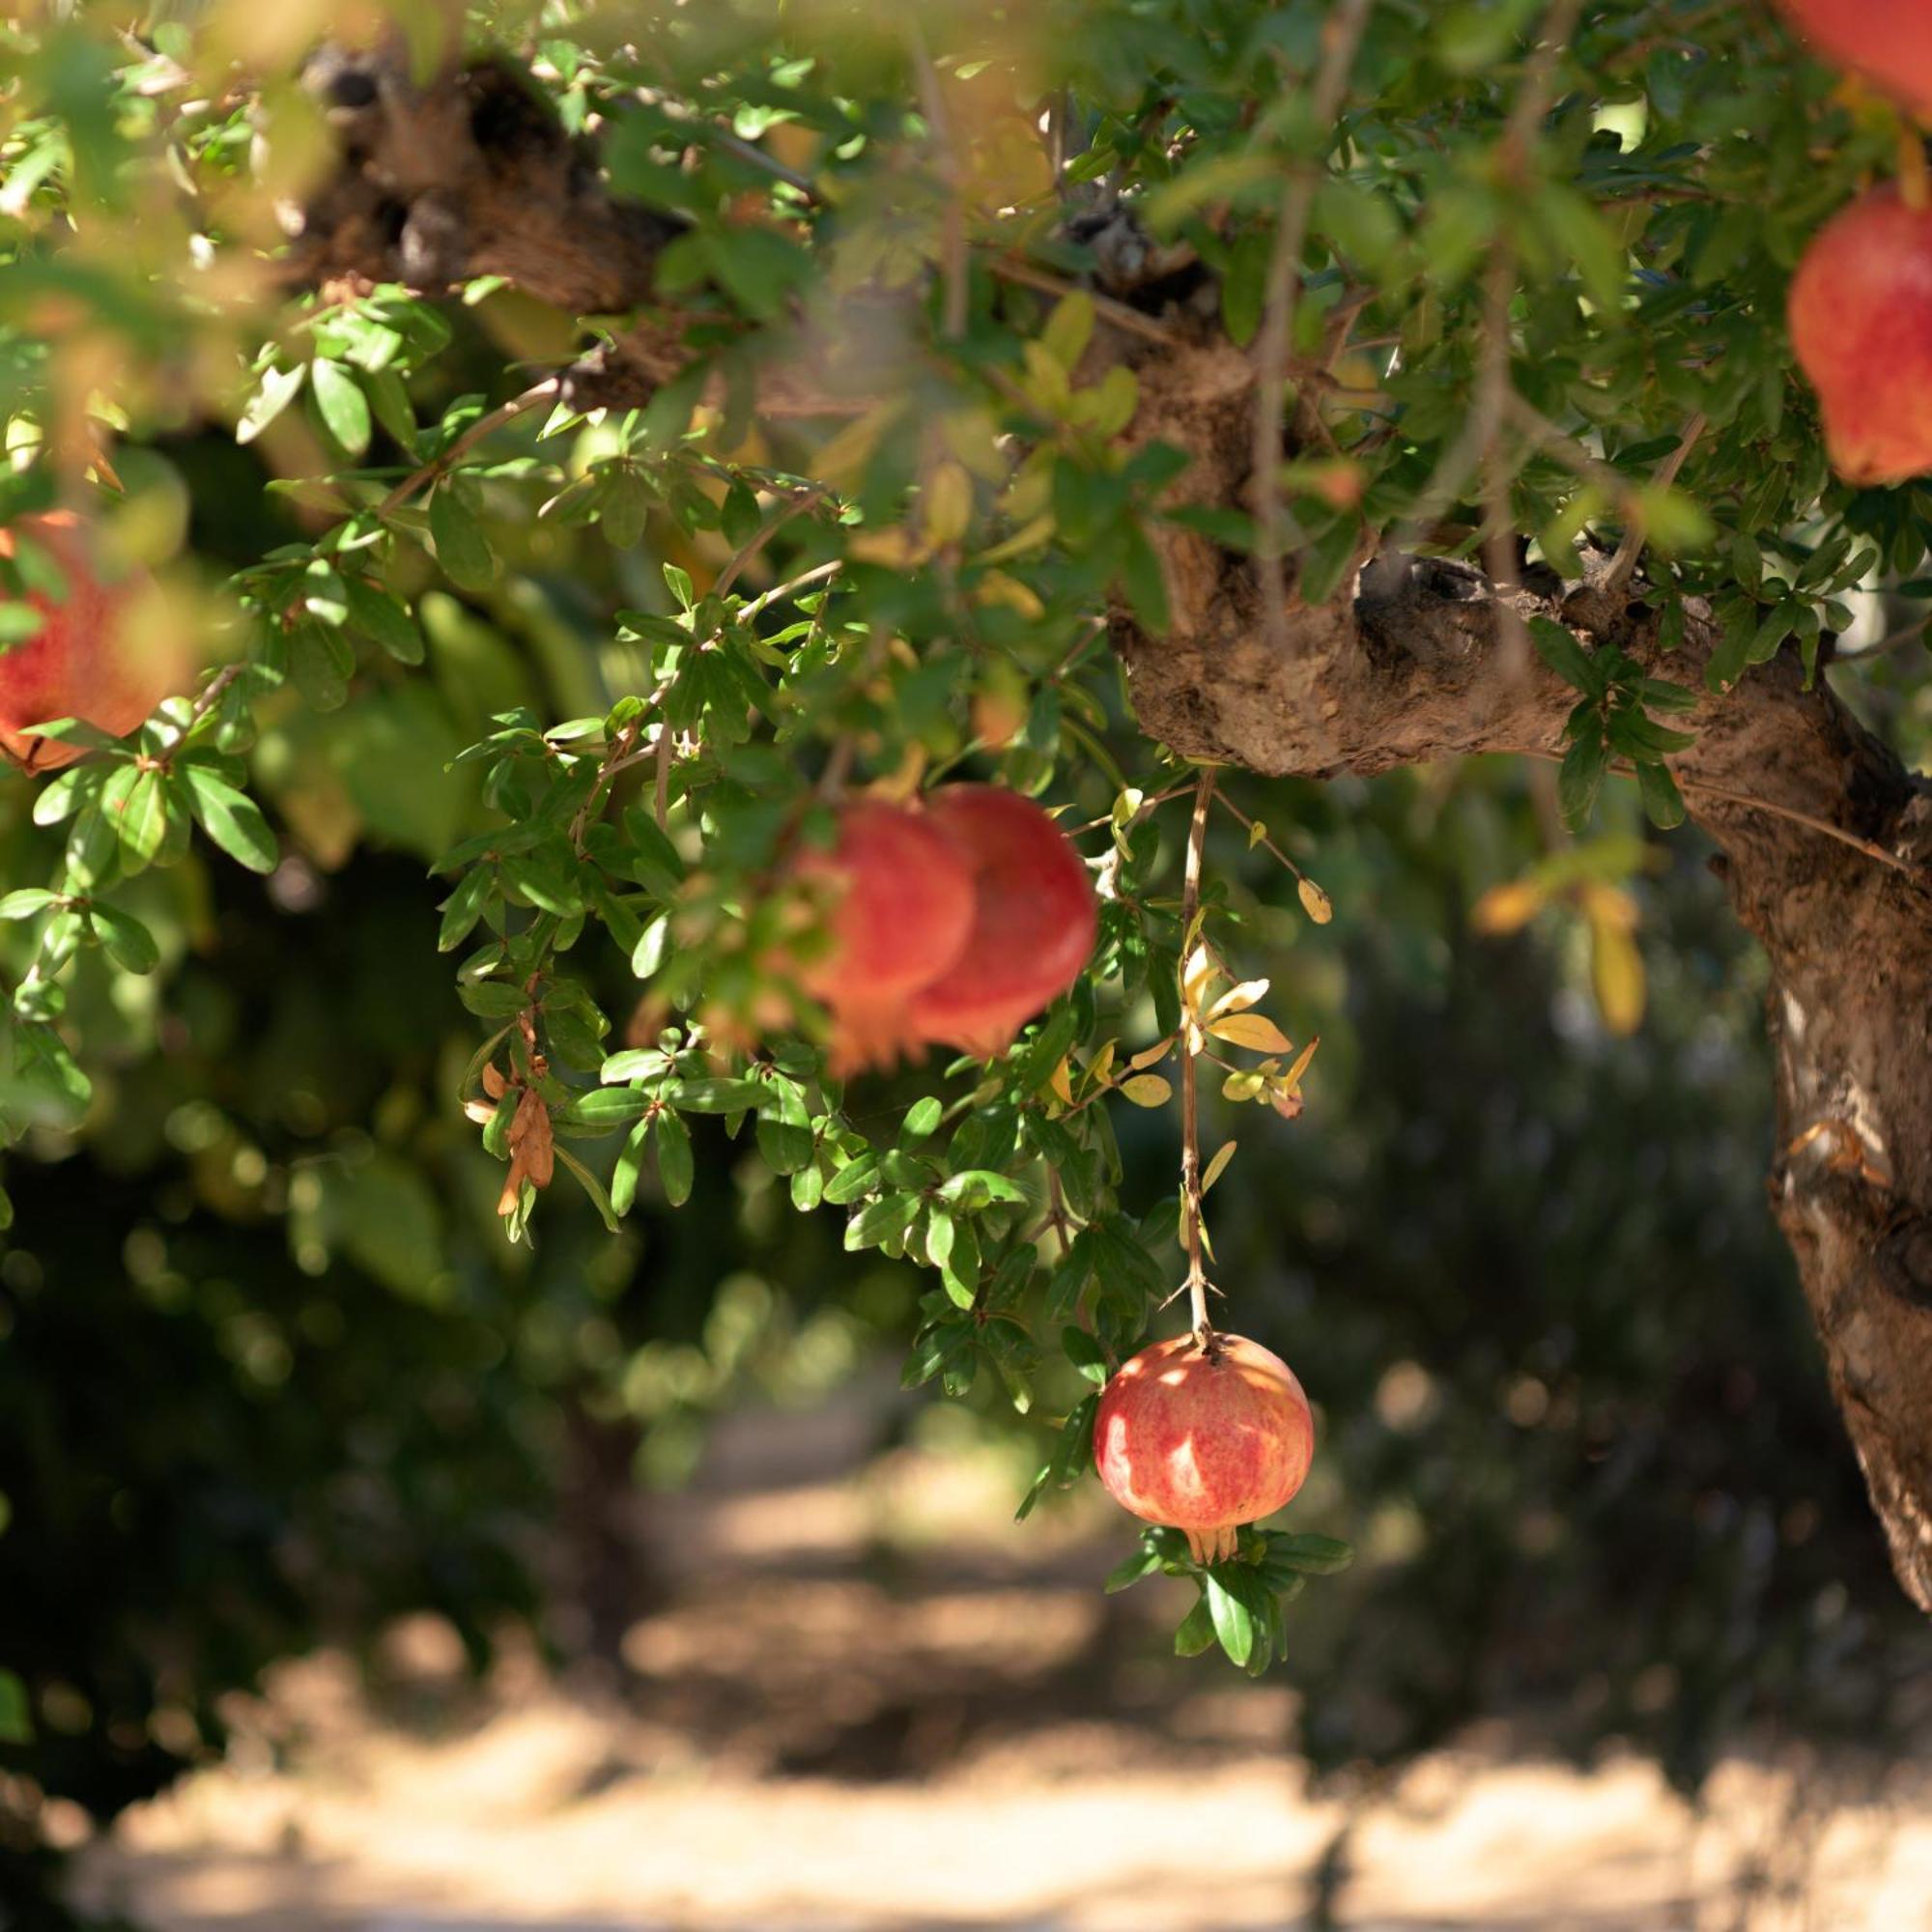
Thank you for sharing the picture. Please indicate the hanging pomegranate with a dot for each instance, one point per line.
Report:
(1033, 920)
(81, 663)
(1860, 315)
(1203, 1438)
(900, 909)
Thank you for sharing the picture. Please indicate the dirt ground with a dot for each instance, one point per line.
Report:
(870, 1702)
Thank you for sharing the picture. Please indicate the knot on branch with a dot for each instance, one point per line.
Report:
(468, 173)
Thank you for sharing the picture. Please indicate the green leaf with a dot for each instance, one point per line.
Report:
(979, 1187)
(27, 901)
(1312, 1554)
(379, 616)
(230, 817)
(464, 907)
(1579, 780)
(593, 1188)
(1144, 1562)
(1083, 1352)
(1197, 1630)
(1662, 799)
(342, 406)
(607, 1107)
(1234, 1624)
(136, 801)
(720, 1096)
(129, 942)
(461, 548)
(1567, 658)
(276, 391)
(856, 1177)
(676, 1168)
(882, 1220)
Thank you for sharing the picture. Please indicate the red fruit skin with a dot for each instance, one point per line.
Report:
(80, 663)
(1889, 42)
(900, 912)
(1860, 316)
(1204, 1444)
(1033, 925)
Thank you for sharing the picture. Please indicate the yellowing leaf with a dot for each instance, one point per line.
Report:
(1292, 1079)
(841, 462)
(1103, 1063)
(1147, 1089)
(1256, 832)
(948, 504)
(1196, 977)
(1218, 1165)
(1238, 999)
(1062, 1084)
(1314, 901)
(1507, 907)
(1008, 593)
(1242, 1086)
(890, 549)
(1148, 1055)
(1254, 1030)
(1616, 971)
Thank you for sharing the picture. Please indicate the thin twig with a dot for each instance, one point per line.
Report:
(953, 234)
(765, 599)
(1227, 804)
(483, 426)
(1106, 308)
(1623, 566)
(1191, 1055)
(1870, 848)
(1342, 34)
(801, 501)
(660, 791)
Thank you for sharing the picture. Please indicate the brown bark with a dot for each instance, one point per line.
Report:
(1832, 869)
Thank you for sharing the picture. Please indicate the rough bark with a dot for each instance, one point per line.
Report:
(1831, 868)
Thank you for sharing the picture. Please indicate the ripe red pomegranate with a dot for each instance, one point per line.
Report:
(81, 663)
(1889, 42)
(1033, 920)
(900, 909)
(1204, 1440)
(1860, 315)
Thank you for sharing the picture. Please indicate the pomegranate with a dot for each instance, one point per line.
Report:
(900, 912)
(81, 663)
(1033, 920)
(1889, 42)
(1860, 315)
(1203, 1438)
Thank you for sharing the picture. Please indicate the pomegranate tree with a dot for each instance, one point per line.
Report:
(900, 907)
(83, 662)
(1203, 1435)
(1033, 920)
(1860, 314)
(1888, 42)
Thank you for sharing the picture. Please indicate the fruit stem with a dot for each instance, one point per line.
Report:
(1191, 1044)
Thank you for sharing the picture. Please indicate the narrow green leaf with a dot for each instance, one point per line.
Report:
(230, 817)
(676, 1168)
(1662, 799)
(342, 406)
